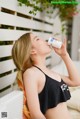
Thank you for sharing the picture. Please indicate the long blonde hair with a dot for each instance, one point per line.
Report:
(21, 56)
(21, 52)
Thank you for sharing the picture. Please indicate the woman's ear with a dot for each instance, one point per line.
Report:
(33, 51)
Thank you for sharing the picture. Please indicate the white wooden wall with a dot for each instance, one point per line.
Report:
(15, 21)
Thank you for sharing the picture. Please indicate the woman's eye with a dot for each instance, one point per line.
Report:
(37, 39)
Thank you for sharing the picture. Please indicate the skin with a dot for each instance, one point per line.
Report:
(34, 79)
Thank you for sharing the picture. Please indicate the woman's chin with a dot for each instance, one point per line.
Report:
(48, 53)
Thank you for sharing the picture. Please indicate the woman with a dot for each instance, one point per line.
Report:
(46, 90)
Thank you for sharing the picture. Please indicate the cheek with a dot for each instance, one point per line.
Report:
(44, 49)
(39, 46)
(39, 49)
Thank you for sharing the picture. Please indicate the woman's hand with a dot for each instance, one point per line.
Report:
(61, 51)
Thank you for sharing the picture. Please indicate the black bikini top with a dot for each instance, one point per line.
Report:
(53, 93)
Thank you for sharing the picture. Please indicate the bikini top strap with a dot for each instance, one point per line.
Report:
(39, 69)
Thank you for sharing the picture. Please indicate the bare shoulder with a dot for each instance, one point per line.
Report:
(30, 78)
(32, 74)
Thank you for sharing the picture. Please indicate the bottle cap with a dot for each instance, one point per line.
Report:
(50, 40)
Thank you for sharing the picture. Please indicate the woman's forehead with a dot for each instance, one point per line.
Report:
(33, 36)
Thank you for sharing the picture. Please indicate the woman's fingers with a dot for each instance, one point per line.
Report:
(65, 42)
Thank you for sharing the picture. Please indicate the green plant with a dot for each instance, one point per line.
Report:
(66, 11)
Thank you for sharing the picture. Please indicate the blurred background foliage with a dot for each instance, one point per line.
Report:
(66, 11)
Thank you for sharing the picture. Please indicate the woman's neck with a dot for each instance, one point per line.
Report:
(40, 62)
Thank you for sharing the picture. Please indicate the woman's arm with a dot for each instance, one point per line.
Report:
(31, 88)
(74, 77)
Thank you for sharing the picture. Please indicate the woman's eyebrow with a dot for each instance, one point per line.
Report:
(35, 37)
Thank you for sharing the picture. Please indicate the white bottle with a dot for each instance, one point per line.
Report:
(54, 42)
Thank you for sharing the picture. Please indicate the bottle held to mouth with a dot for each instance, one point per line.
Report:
(54, 42)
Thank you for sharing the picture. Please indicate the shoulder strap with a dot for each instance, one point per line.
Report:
(39, 69)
